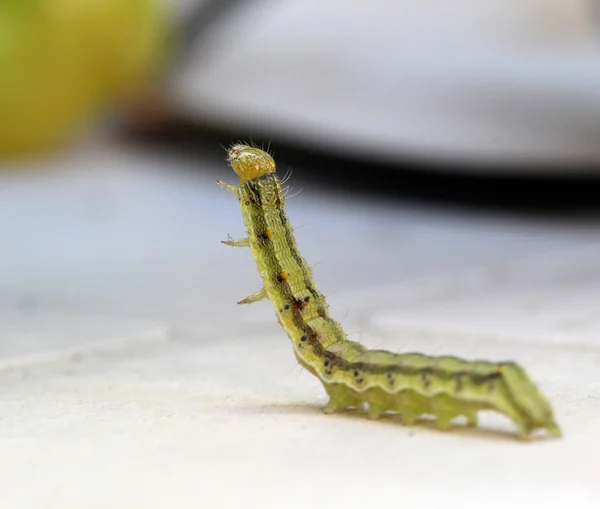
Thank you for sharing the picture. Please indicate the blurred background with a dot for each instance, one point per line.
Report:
(476, 102)
(445, 188)
(434, 120)
(473, 120)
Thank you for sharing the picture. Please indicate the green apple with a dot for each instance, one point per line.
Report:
(62, 61)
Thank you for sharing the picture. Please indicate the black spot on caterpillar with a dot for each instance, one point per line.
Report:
(408, 384)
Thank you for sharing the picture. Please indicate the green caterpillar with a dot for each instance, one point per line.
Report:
(408, 384)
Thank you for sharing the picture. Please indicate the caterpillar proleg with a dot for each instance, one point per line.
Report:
(407, 384)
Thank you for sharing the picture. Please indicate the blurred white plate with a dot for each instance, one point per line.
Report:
(496, 81)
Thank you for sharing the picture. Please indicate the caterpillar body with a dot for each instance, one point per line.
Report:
(407, 384)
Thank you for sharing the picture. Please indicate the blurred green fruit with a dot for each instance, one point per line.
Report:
(61, 61)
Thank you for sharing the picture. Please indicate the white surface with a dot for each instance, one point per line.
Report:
(131, 379)
(501, 80)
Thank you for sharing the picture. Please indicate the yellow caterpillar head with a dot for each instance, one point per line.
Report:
(250, 162)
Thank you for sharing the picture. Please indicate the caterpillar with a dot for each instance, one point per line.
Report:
(354, 377)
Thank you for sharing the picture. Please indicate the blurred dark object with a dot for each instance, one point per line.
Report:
(444, 183)
(549, 185)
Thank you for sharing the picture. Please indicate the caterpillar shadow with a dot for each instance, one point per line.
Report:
(422, 424)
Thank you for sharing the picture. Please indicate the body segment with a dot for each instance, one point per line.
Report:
(408, 384)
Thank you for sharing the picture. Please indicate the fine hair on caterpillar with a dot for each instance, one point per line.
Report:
(354, 377)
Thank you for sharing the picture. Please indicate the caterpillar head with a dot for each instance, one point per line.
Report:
(250, 162)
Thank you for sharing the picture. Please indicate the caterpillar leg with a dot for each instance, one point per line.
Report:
(245, 242)
(340, 398)
(408, 417)
(554, 430)
(443, 421)
(471, 416)
(228, 187)
(375, 411)
(255, 297)
(378, 402)
(409, 406)
(444, 409)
